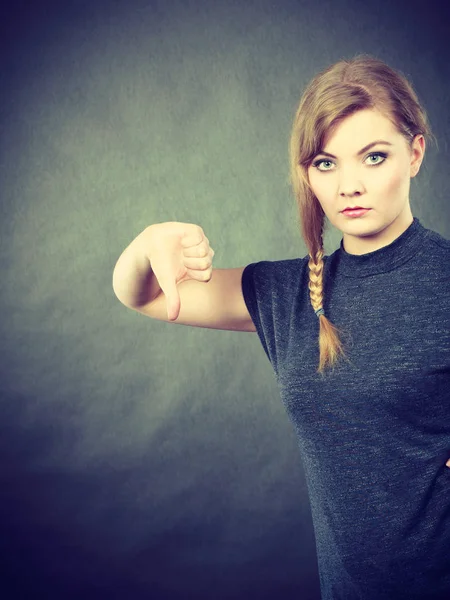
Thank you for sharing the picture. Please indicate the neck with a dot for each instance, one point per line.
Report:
(359, 244)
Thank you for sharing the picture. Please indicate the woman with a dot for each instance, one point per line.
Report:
(359, 340)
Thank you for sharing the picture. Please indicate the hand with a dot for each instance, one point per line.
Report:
(177, 252)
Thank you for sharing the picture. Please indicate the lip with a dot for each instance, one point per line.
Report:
(355, 212)
(355, 208)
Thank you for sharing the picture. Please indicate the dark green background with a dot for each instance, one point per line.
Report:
(140, 459)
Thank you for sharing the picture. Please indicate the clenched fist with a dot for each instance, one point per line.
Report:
(177, 252)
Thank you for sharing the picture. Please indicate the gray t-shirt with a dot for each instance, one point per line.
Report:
(374, 434)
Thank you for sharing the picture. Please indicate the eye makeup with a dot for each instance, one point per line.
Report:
(319, 161)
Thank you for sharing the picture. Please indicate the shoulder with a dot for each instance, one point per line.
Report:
(271, 273)
(436, 252)
(433, 266)
(438, 240)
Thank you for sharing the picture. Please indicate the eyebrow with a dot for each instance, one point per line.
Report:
(362, 149)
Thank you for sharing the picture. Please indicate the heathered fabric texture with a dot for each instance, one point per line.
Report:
(374, 434)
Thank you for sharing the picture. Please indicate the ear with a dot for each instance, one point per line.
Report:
(417, 154)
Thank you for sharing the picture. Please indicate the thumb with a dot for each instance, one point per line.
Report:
(173, 303)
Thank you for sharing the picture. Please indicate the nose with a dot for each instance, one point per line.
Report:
(350, 192)
(350, 186)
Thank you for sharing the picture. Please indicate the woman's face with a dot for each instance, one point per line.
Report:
(378, 178)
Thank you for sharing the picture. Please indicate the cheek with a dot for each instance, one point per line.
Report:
(391, 181)
(318, 184)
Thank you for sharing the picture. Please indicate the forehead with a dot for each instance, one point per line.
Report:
(359, 129)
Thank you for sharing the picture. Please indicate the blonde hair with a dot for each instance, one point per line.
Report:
(363, 82)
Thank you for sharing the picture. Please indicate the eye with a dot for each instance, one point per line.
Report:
(377, 155)
(382, 155)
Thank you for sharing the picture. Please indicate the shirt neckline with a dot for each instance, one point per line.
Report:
(384, 259)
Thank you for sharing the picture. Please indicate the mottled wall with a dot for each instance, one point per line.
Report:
(139, 459)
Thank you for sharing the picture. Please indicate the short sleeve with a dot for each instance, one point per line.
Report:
(277, 298)
(257, 289)
(249, 292)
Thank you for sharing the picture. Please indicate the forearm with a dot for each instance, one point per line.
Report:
(133, 280)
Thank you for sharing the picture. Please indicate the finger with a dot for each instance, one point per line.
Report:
(197, 264)
(203, 276)
(170, 291)
(173, 305)
(192, 239)
(199, 251)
